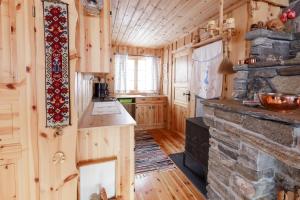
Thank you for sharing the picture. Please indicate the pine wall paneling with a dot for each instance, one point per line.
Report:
(93, 40)
(51, 175)
(18, 158)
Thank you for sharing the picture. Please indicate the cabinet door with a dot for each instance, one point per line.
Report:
(9, 118)
(159, 115)
(143, 116)
(8, 182)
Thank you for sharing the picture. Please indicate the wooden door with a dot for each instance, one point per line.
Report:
(182, 62)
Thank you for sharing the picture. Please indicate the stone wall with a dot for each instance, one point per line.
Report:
(250, 157)
(277, 68)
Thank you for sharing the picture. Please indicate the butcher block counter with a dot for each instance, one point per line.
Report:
(88, 120)
(106, 133)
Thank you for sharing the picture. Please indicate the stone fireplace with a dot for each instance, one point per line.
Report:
(277, 69)
(255, 153)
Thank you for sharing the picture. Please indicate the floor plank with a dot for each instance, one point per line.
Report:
(166, 185)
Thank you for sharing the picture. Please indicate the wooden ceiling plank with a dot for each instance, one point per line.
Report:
(172, 23)
(157, 15)
(134, 21)
(116, 7)
(120, 17)
(140, 14)
(172, 15)
(174, 32)
(133, 11)
(149, 11)
(211, 13)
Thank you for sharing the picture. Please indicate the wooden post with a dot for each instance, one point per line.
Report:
(221, 19)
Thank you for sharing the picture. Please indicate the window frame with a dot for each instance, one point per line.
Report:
(136, 65)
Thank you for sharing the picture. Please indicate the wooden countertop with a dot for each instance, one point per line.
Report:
(93, 121)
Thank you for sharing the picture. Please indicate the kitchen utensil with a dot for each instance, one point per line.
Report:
(279, 102)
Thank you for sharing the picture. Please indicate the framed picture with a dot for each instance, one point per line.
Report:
(92, 7)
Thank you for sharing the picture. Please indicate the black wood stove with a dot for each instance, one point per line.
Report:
(196, 146)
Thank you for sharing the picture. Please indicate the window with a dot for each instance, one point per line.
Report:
(136, 74)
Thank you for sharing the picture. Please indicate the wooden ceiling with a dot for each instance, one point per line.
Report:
(154, 23)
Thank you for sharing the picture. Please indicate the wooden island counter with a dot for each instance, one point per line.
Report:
(108, 137)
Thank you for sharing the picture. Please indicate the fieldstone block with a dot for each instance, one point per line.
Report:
(220, 157)
(263, 73)
(264, 52)
(243, 67)
(209, 121)
(262, 41)
(264, 187)
(295, 44)
(254, 159)
(289, 71)
(220, 188)
(287, 176)
(221, 172)
(241, 75)
(230, 141)
(277, 132)
(254, 175)
(240, 85)
(243, 187)
(212, 195)
(229, 116)
(268, 34)
(284, 84)
(229, 152)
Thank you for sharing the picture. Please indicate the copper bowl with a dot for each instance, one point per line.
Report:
(279, 102)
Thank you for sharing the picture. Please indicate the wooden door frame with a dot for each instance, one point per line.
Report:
(175, 54)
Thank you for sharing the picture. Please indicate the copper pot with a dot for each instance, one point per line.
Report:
(278, 102)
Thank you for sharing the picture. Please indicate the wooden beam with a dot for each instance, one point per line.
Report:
(221, 19)
(208, 41)
(95, 161)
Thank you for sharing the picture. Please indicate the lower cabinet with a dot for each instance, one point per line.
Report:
(8, 189)
(151, 115)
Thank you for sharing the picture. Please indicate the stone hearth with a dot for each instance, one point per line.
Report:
(253, 152)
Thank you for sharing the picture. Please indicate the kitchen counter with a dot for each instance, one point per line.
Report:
(88, 120)
(106, 132)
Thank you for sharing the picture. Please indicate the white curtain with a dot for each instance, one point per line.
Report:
(137, 74)
(120, 73)
(206, 82)
(148, 75)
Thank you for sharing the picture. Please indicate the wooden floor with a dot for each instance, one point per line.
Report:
(166, 185)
